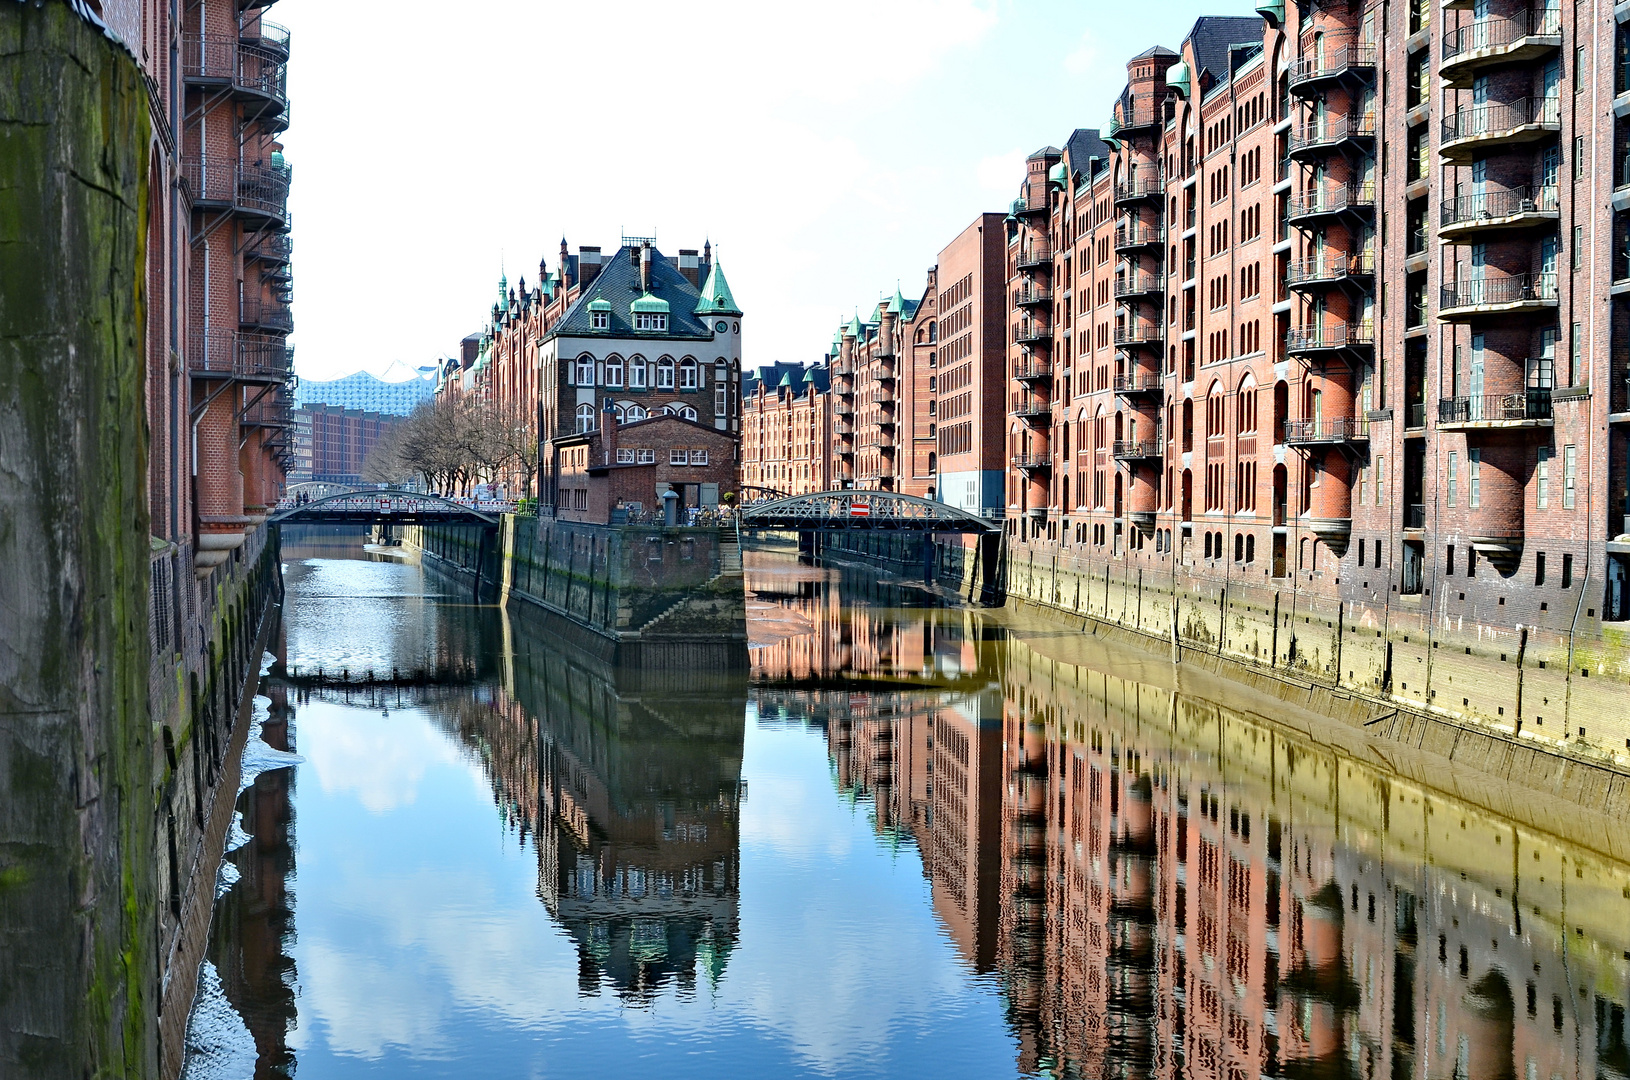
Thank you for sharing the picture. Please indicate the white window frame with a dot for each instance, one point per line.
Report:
(721, 400)
(585, 419)
(584, 371)
(638, 372)
(636, 413)
(1570, 474)
(625, 455)
(665, 373)
(688, 374)
(647, 456)
(678, 457)
(614, 371)
(600, 320)
(1474, 478)
(1542, 473)
(698, 457)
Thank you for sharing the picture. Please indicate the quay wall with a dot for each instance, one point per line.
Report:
(124, 675)
(1542, 704)
(642, 596)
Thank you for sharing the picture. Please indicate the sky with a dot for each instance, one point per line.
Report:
(828, 151)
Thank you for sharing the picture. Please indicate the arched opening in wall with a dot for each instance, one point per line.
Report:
(1281, 410)
(1280, 494)
(1064, 501)
(638, 372)
(665, 373)
(1250, 548)
(1188, 495)
(1118, 481)
(687, 373)
(1239, 547)
(1188, 425)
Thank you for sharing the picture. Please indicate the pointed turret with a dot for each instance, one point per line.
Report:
(716, 298)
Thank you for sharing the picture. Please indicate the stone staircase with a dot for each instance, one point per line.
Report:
(729, 549)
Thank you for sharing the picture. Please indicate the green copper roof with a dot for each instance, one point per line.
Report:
(877, 313)
(716, 298)
(1057, 174)
(786, 380)
(898, 304)
(854, 329)
(645, 305)
(601, 304)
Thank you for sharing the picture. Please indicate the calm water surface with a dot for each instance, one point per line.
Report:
(911, 843)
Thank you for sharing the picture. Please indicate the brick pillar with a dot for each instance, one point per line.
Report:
(221, 520)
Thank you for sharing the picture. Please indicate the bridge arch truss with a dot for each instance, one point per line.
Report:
(861, 509)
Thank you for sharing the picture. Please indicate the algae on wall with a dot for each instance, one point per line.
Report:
(78, 970)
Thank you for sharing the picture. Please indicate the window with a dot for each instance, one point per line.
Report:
(698, 457)
(665, 373)
(636, 373)
(721, 399)
(635, 412)
(614, 371)
(625, 455)
(647, 456)
(1567, 571)
(585, 370)
(1449, 562)
(1539, 568)
(600, 320)
(688, 374)
(1543, 476)
(1452, 491)
(1570, 465)
(585, 418)
(1474, 478)
(1578, 247)
(650, 320)
(1380, 479)
(678, 457)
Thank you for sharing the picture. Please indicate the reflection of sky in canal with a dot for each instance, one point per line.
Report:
(423, 948)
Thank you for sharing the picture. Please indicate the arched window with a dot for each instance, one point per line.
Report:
(614, 371)
(585, 418)
(1214, 411)
(622, 413)
(636, 373)
(1247, 405)
(585, 370)
(674, 408)
(933, 332)
(636, 412)
(665, 373)
(687, 373)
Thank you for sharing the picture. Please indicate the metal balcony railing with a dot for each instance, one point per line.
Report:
(1332, 62)
(1023, 207)
(1493, 206)
(1500, 34)
(1135, 112)
(1332, 132)
(1031, 409)
(1031, 462)
(1126, 449)
(1032, 369)
(1138, 284)
(1138, 334)
(1498, 291)
(229, 354)
(1332, 200)
(1337, 429)
(1415, 415)
(1415, 516)
(1495, 121)
(1032, 295)
(843, 409)
(273, 247)
(256, 189)
(1318, 338)
(882, 396)
(1139, 382)
(1534, 403)
(1141, 187)
(1332, 267)
(248, 66)
(266, 314)
(840, 428)
(1038, 254)
(1131, 236)
(1033, 333)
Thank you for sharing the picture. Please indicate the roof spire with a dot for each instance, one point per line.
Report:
(716, 298)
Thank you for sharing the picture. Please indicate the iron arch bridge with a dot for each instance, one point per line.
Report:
(389, 507)
(858, 509)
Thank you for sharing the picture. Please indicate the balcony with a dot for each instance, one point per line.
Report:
(885, 372)
(1141, 188)
(1023, 208)
(842, 369)
(1459, 301)
(885, 443)
(884, 349)
(841, 428)
(886, 420)
(258, 193)
(843, 409)
(1031, 296)
(256, 71)
(1138, 383)
(1335, 431)
(846, 450)
(1032, 410)
(1475, 47)
(1032, 463)
(1135, 449)
(1038, 255)
(1498, 211)
(1031, 370)
(272, 248)
(1033, 333)
(1325, 271)
(1136, 113)
(1139, 335)
(1317, 340)
(1340, 133)
(1480, 128)
(883, 396)
(1129, 237)
(260, 313)
(1136, 286)
(1310, 74)
(1330, 202)
(225, 354)
(1530, 408)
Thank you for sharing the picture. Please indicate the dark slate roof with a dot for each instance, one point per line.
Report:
(1044, 152)
(1212, 34)
(1084, 143)
(618, 283)
(772, 374)
(1154, 50)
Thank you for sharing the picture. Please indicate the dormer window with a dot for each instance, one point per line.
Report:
(650, 314)
(600, 320)
(650, 321)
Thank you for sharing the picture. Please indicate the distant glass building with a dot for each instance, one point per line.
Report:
(397, 394)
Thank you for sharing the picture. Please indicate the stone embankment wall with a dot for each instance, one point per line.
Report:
(634, 595)
(122, 676)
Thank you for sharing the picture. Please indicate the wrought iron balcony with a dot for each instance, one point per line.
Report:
(226, 354)
(1136, 334)
(842, 369)
(272, 248)
(1333, 134)
(843, 409)
(1140, 188)
(1330, 201)
(1309, 74)
(1032, 295)
(883, 396)
(1038, 255)
(1495, 211)
(884, 443)
(1138, 112)
(1517, 293)
(840, 428)
(1030, 207)
(1474, 47)
(1032, 410)
(1033, 333)
(1523, 408)
(257, 192)
(1307, 340)
(1136, 449)
(1329, 431)
(1132, 285)
(257, 73)
(1477, 128)
(1139, 382)
(1033, 370)
(1334, 269)
(259, 313)
(1030, 462)
(1128, 237)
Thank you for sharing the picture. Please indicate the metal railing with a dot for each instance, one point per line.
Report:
(1032, 294)
(1139, 382)
(247, 65)
(1033, 369)
(259, 189)
(1032, 461)
(1140, 111)
(1333, 131)
(1499, 291)
(1415, 516)
(1498, 33)
(1493, 205)
(229, 353)
(1332, 267)
(1336, 429)
(1039, 254)
(1136, 448)
(1333, 200)
(882, 396)
(1343, 336)
(1533, 403)
(1138, 334)
(1032, 333)
(1130, 236)
(273, 247)
(1415, 415)
(1029, 206)
(1495, 120)
(1029, 410)
(1142, 187)
(1332, 62)
(1138, 284)
(271, 314)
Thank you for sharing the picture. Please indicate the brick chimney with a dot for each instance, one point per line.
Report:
(690, 266)
(608, 431)
(645, 267)
(588, 265)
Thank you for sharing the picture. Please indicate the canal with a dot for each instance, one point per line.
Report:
(918, 839)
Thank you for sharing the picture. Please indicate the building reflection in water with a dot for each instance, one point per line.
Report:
(1171, 888)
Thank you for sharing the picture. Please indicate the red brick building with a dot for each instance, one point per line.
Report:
(631, 466)
(788, 430)
(332, 444)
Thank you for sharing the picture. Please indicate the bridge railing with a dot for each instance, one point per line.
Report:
(391, 503)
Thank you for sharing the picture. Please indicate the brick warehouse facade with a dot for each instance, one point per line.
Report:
(788, 428)
(1317, 351)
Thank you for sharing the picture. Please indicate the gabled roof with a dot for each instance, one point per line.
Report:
(618, 285)
(1045, 152)
(1211, 37)
(1153, 51)
(716, 298)
(1083, 144)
